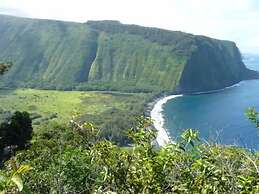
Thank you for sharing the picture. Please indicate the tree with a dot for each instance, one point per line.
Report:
(4, 67)
(17, 130)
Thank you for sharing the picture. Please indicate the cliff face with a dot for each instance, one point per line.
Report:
(213, 65)
(110, 55)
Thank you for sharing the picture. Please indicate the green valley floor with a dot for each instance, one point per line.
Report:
(61, 105)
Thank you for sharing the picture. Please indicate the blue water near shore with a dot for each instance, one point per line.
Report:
(219, 117)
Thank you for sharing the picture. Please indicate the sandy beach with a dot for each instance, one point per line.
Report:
(156, 115)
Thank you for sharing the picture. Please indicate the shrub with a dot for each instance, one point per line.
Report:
(76, 160)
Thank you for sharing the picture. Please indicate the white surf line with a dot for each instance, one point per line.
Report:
(156, 115)
(214, 91)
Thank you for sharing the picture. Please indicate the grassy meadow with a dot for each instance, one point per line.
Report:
(47, 105)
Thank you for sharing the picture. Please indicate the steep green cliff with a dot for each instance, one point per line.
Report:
(111, 56)
(213, 65)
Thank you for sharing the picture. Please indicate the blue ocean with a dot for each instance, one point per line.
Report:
(220, 116)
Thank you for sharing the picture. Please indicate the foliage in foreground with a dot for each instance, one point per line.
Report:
(76, 160)
(11, 182)
(16, 130)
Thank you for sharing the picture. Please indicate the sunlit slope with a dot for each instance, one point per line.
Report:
(130, 58)
(109, 55)
(45, 51)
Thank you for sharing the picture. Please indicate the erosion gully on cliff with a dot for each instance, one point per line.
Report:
(109, 55)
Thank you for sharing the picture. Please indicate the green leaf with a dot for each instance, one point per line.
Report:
(23, 169)
(18, 181)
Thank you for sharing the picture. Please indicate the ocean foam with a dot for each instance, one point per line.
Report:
(158, 120)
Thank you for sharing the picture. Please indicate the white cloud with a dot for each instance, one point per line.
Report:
(235, 20)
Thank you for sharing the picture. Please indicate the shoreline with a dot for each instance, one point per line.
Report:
(156, 114)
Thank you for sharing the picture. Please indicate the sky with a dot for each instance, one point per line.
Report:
(236, 20)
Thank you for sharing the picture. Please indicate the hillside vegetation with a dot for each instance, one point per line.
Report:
(76, 160)
(108, 55)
